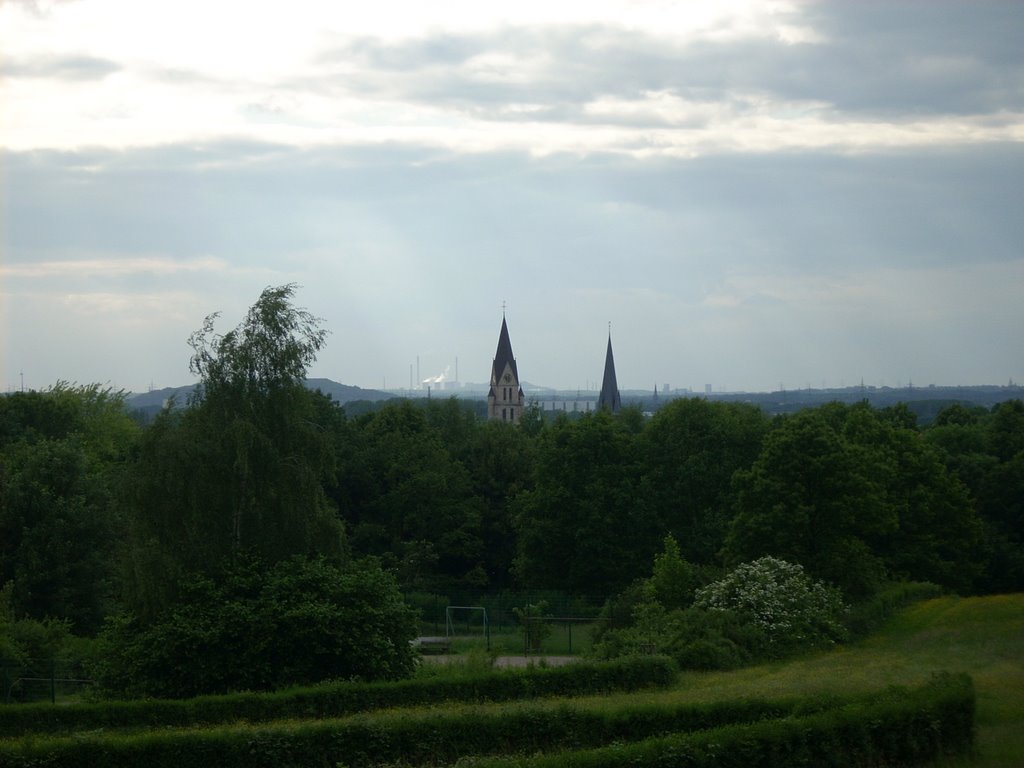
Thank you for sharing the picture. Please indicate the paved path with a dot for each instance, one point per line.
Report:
(504, 662)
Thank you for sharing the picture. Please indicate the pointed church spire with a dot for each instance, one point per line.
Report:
(505, 398)
(609, 397)
(503, 354)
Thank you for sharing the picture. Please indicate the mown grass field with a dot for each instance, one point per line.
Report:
(981, 636)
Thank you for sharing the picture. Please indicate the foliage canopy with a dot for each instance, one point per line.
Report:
(257, 628)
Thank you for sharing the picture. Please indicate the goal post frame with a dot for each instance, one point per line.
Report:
(449, 625)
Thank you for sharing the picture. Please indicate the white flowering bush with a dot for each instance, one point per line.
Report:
(792, 610)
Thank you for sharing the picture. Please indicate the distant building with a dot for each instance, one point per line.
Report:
(505, 398)
(609, 398)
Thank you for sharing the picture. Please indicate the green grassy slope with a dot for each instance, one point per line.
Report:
(982, 636)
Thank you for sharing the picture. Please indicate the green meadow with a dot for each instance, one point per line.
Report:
(983, 637)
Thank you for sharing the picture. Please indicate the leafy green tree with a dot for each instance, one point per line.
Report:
(253, 396)
(673, 580)
(1001, 507)
(939, 534)
(585, 527)
(531, 617)
(985, 450)
(809, 499)
(412, 504)
(631, 419)
(178, 500)
(532, 421)
(961, 438)
(455, 423)
(690, 450)
(243, 468)
(646, 612)
(854, 497)
(656, 615)
(253, 628)
(501, 465)
(959, 415)
(27, 645)
(62, 459)
(1006, 429)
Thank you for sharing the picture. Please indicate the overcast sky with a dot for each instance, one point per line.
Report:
(755, 194)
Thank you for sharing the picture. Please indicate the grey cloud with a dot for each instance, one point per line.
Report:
(803, 213)
(388, 238)
(36, 7)
(892, 61)
(60, 68)
(440, 49)
(942, 57)
(884, 59)
(584, 63)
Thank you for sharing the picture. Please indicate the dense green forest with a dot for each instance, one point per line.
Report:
(241, 520)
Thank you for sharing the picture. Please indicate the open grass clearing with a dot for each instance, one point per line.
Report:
(982, 636)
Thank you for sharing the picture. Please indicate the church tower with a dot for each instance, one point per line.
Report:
(505, 398)
(609, 398)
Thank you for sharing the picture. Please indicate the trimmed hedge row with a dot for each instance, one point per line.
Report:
(338, 699)
(433, 736)
(896, 727)
(901, 728)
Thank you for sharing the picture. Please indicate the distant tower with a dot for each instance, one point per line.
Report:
(505, 398)
(609, 397)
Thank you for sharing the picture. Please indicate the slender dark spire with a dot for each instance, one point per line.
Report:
(503, 355)
(609, 397)
(505, 398)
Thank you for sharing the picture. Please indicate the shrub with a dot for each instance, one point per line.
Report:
(714, 639)
(791, 609)
(301, 622)
(531, 619)
(29, 647)
(617, 612)
(673, 579)
(766, 608)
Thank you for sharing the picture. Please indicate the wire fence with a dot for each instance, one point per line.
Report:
(519, 622)
(41, 680)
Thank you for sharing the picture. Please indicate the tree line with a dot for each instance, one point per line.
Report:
(103, 516)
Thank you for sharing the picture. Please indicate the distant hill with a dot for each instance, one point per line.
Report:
(158, 398)
(343, 393)
(925, 402)
(149, 403)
